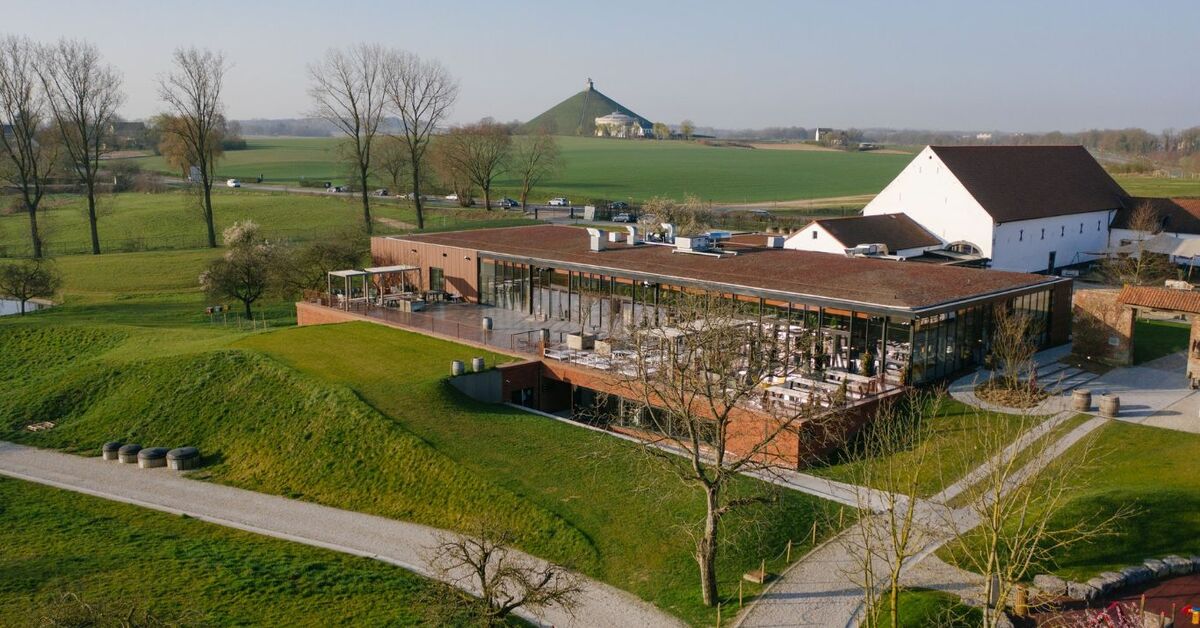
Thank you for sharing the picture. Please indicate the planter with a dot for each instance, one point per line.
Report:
(110, 449)
(581, 342)
(1081, 400)
(128, 454)
(183, 459)
(152, 457)
(603, 347)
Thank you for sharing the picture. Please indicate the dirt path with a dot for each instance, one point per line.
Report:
(397, 542)
(803, 203)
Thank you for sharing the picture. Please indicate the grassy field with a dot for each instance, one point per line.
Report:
(1157, 186)
(169, 220)
(921, 608)
(181, 569)
(617, 169)
(100, 363)
(940, 447)
(1153, 339)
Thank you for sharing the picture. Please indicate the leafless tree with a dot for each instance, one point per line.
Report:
(534, 157)
(28, 279)
(193, 92)
(348, 89)
(391, 162)
(694, 215)
(30, 149)
(421, 93)
(83, 93)
(1013, 348)
(882, 542)
(697, 387)
(477, 153)
(1021, 515)
(1140, 266)
(482, 561)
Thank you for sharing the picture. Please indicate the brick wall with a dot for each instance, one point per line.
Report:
(1097, 311)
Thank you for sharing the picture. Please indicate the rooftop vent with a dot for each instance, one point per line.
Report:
(670, 229)
(634, 236)
(596, 238)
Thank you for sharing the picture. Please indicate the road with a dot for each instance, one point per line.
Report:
(397, 542)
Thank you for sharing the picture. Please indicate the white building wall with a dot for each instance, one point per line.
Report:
(1025, 245)
(823, 242)
(932, 196)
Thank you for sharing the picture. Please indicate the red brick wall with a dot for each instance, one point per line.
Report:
(1113, 318)
(515, 377)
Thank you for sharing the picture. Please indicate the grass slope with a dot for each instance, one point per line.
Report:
(57, 542)
(577, 115)
(630, 508)
(1156, 186)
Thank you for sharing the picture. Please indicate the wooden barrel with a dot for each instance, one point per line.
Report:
(152, 457)
(183, 458)
(1110, 406)
(127, 454)
(457, 368)
(110, 449)
(1081, 400)
(477, 364)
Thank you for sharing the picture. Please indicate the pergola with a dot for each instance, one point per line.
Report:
(369, 278)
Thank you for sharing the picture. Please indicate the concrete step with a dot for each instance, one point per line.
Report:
(1073, 382)
(1050, 370)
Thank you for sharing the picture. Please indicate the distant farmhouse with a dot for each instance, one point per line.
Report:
(1019, 208)
(590, 112)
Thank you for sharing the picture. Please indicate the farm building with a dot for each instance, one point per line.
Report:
(893, 235)
(1026, 208)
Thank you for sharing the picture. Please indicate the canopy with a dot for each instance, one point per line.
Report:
(379, 270)
(347, 273)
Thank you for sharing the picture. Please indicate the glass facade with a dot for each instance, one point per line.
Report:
(901, 348)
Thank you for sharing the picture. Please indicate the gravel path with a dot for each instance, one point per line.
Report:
(396, 542)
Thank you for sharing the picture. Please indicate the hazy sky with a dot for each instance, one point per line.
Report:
(1004, 65)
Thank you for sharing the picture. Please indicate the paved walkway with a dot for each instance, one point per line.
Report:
(396, 542)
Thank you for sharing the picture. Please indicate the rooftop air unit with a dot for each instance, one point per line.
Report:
(775, 242)
(693, 243)
(616, 236)
(718, 236)
(670, 229)
(634, 236)
(597, 239)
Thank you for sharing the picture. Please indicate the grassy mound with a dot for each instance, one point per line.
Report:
(266, 428)
(120, 557)
(28, 350)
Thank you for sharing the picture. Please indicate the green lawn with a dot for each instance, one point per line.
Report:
(1154, 339)
(179, 569)
(921, 608)
(940, 447)
(1154, 471)
(598, 168)
(140, 222)
(1157, 186)
(358, 416)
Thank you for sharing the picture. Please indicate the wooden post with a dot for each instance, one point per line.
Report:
(814, 534)
(740, 582)
(789, 551)
(841, 515)
(718, 615)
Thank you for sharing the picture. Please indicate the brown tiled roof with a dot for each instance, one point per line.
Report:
(1027, 182)
(897, 231)
(1161, 298)
(1177, 215)
(884, 283)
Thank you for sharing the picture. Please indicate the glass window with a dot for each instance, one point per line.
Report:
(437, 279)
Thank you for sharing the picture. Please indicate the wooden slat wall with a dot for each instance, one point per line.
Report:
(459, 265)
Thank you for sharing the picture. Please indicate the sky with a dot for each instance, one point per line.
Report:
(995, 65)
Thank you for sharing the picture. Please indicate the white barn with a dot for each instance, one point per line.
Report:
(1027, 208)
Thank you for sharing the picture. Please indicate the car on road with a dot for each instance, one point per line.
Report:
(761, 213)
(233, 183)
(337, 189)
(380, 192)
(508, 203)
(623, 217)
(559, 202)
(618, 205)
(452, 197)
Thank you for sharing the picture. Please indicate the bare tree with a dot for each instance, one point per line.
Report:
(882, 542)
(421, 94)
(1021, 515)
(29, 148)
(534, 157)
(478, 153)
(694, 215)
(1139, 266)
(482, 561)
(348, 88)
(1013, 348)
(176, 151)
(84, 94)
(696, 387)
(29, 279)
(391, 162)
(450, 173)
(193, 92)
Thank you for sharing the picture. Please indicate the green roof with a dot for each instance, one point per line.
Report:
(577, 114)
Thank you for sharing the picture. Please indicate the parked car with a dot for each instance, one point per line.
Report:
(337, 189)
(618, 205)
(508, 203)
(623, 217)
(380, 192)
(233, 183)
(761, 213)
(559, 202)
(452, 197)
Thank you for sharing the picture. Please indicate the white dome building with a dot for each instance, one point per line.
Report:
(617, 124)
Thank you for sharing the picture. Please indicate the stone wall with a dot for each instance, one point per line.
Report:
(1096, 312)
